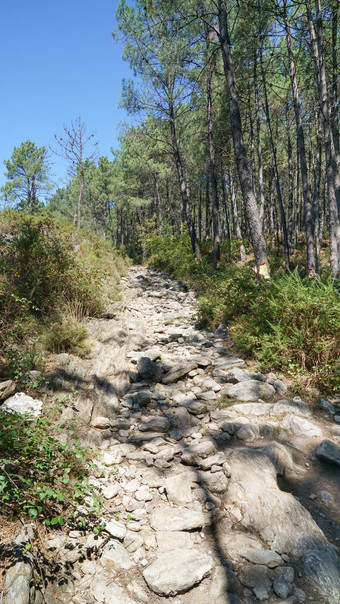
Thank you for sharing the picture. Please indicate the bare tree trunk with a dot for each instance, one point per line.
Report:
(333, 188)
(236, 224)
(213, 179)
(183, 186)
(249, 199)
(302, 153)
(276, 170)
(259, 144)
(225, 209)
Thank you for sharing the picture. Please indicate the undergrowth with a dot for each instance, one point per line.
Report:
(51, 277)
(42, 478)
(291, 324)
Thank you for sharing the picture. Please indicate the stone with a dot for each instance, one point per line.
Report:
(329, 452)
(178, 371)
(251, 390)
(142, 398)
(326, 498)
(255, 576)
(177, 571)
(104, 590)
(195, 407)
(176, 519)
(133, 541)
(230, 361)
(101, 422)
(143, 493)
(218, 459)
(178, 488)
(115, 556)
(193, 454)
(323, 404)
(216, 482)
(300, 426)
(17, 584)
(267, 557)
(208, 396)
(115, 529)
(156, 424)
(170, 540)
(277, 516)
(22, 403)
(149, 370)
(111, 491)
(283, 407)
(281, 587)
(7, 388)
(255, 409)
(280, 387)
(248, 432)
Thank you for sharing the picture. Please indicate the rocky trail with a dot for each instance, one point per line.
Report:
(219, 486)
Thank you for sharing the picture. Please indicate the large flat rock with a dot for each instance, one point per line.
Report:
(177, 571)
(176, 519)
(251, 390)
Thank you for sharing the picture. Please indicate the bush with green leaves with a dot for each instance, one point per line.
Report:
(294, 325)
(48, 271)
(41, 477)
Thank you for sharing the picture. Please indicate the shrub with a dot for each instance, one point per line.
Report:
(41, 477)
(67, 335)
(48, 269)
(294, 325)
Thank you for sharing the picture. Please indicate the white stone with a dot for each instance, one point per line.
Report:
(22, 403)
(177, 571)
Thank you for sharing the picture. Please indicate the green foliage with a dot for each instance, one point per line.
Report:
(41, 477)
(294, 326)
(51, 275)
(67, 335)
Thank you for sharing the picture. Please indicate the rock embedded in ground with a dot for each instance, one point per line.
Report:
(176, 519)
(329, 452)
(261, 556)
(22, 403)
(178, 489)
(251, 390)
(115, 556)
(104, 590)
(177, 571)
(300, 426)
(149, 370)
(178, 371)
(17, 584)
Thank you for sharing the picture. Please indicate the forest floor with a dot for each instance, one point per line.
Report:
(218, 486)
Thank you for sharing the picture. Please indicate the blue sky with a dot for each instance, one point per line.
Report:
(58, 61)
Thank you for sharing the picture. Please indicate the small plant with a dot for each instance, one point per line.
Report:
(41, 477)
(68, 335)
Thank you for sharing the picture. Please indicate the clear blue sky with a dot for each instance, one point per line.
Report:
(58, 61)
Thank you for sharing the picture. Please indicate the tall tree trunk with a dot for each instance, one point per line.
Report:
(236, 224)
(302, 153)
(248, 194)
(259, 143)
(182, 185)
(213, 179)
(225, 209)
(332, 177)
(276, 170)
